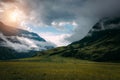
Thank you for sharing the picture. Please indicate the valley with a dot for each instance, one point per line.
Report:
(59, 39)
(57, 68)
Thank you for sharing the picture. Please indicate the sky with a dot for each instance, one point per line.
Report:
(58, 21)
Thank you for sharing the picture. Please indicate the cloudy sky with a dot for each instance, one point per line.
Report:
(58, 21)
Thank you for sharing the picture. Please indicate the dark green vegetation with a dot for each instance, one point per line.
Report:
(8, 53)
(57, 68)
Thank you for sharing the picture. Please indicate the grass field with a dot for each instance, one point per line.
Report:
(57, 68)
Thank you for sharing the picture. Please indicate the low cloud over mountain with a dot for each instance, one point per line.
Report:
(22, 40)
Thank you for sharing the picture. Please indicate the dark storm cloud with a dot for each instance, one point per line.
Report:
(53, 10)
(84, 12)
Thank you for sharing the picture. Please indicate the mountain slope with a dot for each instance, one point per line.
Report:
(18, 43)
(101, 44)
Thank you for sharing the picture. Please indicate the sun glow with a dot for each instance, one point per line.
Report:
(13, 17)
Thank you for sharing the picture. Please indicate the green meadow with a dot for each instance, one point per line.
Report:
(57, 68)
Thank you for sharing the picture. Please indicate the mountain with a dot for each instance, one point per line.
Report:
(12, 31)
(18, 43)
(101, 44)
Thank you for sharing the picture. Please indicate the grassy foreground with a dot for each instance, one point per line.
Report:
(57, 68)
